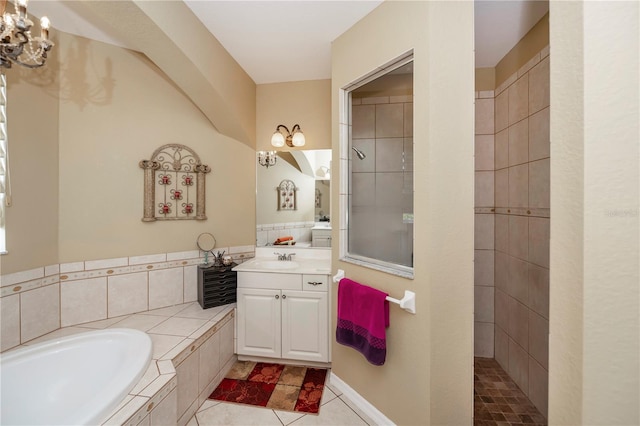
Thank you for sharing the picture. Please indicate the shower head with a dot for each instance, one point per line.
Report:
(359, 153)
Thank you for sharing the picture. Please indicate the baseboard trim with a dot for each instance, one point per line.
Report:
(359, 401)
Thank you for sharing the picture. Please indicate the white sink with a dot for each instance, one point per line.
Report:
(276, 265)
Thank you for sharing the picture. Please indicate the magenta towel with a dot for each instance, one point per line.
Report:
(363, 316)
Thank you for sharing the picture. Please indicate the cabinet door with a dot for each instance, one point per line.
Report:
(259, 322)
(305, 326)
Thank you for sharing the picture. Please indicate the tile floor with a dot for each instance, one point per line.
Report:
(335, 409)
(497, 400)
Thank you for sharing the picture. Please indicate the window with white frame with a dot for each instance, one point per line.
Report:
(378, 147)
(4, 162)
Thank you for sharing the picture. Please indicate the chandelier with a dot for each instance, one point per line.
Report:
(267, 158)
(17, 45)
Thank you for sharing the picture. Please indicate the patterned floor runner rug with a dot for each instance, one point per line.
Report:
(275, 386)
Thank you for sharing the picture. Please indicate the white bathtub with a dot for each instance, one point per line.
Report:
(75, 380)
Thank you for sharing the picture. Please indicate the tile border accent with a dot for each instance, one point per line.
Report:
(36, 277)
(19, 283)
(515, 211)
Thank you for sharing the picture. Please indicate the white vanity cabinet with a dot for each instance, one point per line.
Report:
(283, 316)
(320, 237)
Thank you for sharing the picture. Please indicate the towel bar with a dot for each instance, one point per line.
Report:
(408, 302)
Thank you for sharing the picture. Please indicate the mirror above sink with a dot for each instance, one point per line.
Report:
(308, 205)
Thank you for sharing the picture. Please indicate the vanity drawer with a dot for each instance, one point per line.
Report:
(315, 282)
(269, 280)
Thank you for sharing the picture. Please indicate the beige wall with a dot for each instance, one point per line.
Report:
(485, 78)
(32, 219)
(427, 377)
(307, 103)
(92, 173)
(101, 185)
(594, 345)
(177, 42)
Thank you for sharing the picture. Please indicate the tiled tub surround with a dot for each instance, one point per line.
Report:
(41, 300)
(267, 233)
(519, 223)
(193, 349)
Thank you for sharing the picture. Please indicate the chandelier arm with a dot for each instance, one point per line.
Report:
(32, 66)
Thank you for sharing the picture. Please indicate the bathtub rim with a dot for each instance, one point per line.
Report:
(137, 342)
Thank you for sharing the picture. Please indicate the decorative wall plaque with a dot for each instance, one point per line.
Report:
(174, 184)
(287, 195)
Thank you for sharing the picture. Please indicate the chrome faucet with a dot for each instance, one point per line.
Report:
(284, 256)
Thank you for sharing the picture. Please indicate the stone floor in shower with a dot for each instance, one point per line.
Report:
(497, 400)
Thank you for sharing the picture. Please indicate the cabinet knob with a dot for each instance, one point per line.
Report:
(277, 296)
(314, 282)
(284, 296)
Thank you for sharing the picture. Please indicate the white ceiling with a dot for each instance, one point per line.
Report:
(276, 41)
(279, 41)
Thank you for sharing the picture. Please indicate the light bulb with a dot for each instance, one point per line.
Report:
(298, 139)
(44, 28)
(21, 8)
(277, 140)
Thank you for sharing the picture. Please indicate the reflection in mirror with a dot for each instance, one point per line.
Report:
(380, 175)
(206, 242)
(322, 200)
(310, 171)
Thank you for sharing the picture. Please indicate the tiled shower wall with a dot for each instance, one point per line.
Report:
(484, 226)
(41, 300)
(382, 183)
(516, 229)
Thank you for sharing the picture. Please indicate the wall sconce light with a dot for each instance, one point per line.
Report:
(323, 172)
(293, 138)
(267, 158)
